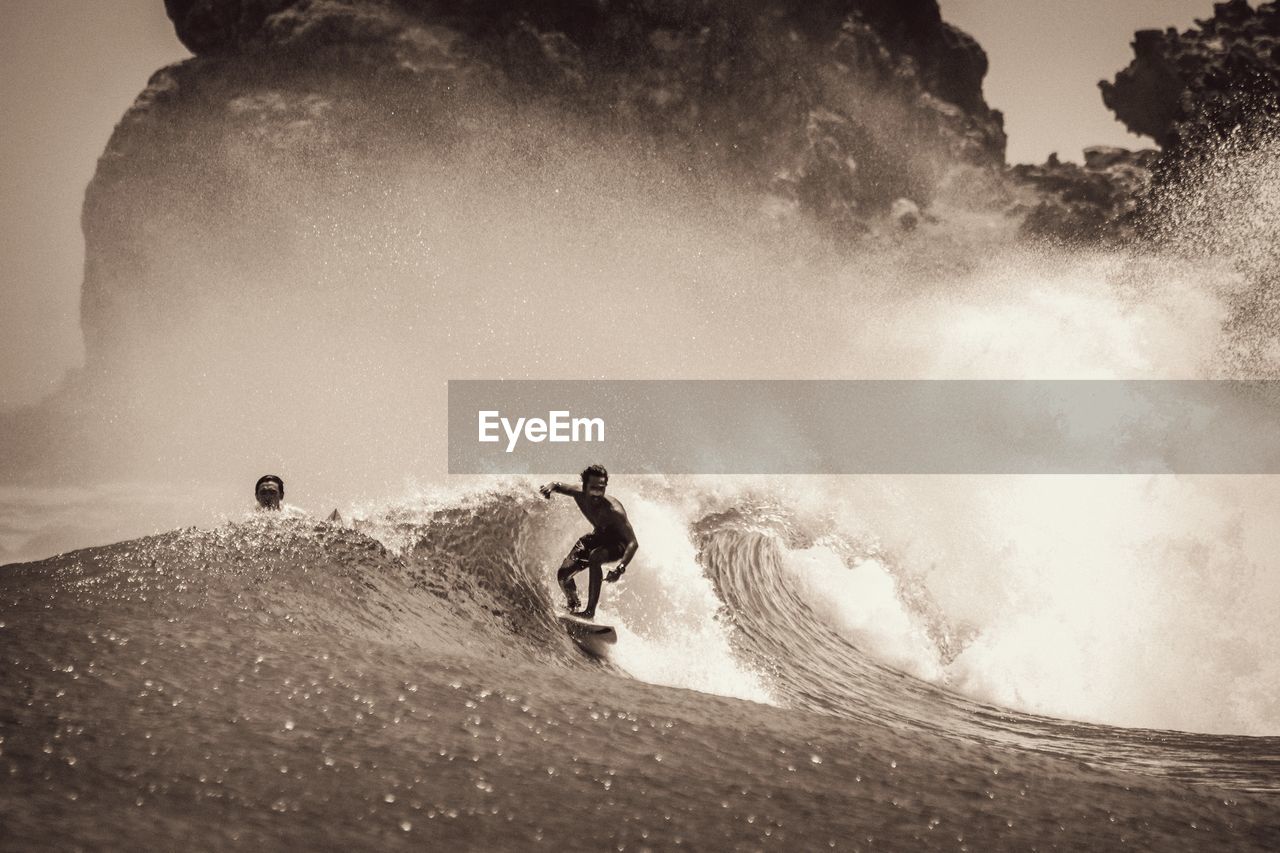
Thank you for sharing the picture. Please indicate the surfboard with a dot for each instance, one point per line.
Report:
(590, 636)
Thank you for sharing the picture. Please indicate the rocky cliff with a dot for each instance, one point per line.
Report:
(1211, 97)
(1187, 89)
(1206, 96)
(829, 110)
(1095, 203)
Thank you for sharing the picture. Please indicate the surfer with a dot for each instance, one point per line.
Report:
(269, 490)
(611, 538)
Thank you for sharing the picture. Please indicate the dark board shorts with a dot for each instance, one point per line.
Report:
(614, 547)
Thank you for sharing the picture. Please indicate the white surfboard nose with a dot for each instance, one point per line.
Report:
(592, 637)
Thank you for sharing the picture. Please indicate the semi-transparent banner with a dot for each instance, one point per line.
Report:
(865, 427)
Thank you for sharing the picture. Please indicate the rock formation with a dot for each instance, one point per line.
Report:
(831, 110)
(1196, 94)
(1097, 203)
(1211, 97)
(1185, 89)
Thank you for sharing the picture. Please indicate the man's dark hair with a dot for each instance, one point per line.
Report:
(266, 477)
(594, 471)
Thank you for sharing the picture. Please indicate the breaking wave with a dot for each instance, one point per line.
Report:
(734, 593)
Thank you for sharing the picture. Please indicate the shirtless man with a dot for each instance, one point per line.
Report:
(610, 539)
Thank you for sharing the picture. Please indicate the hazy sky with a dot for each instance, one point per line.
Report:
(68, 71)
(70, 68)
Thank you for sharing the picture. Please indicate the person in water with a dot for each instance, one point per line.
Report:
(611, 538)
(269, 491)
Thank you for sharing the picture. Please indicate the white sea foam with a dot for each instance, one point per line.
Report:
(863, 603)
(668, 617)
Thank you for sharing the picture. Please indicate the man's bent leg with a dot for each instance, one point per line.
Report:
(568, 569)
(593, 590)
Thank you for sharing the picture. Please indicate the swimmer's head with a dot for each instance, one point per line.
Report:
(269, 491)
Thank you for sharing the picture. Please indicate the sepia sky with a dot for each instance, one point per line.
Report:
(1047, 57)
(68, 71)
(70, 68)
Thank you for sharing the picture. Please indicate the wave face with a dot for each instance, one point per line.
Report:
(732, 594)
(739, 597)
(287, 681)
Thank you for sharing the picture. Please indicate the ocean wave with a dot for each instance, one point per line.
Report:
(731, 595)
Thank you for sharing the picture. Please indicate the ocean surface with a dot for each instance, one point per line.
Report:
(401, 681)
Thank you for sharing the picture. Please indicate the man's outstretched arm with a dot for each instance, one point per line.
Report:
(559, 488)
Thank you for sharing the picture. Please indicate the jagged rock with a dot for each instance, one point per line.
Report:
(1188, 92)
(1184, 90)
(1101, 157)
(835, 107)
(1094, 203)
(1211, 97)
